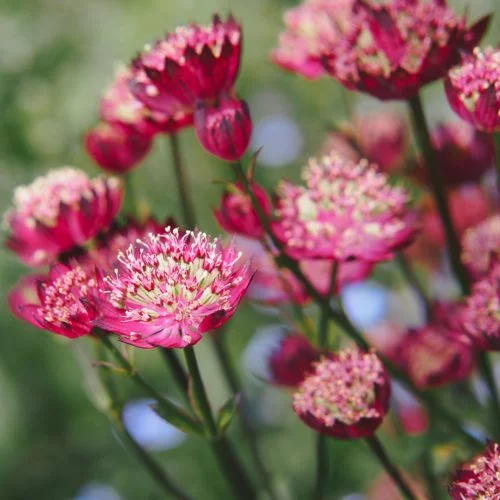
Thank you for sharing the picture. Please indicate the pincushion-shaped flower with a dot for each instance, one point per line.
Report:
(479, 478)
(345, 396)
(61, 210)
(115, 148)
(482, 312)
(473, 89)
(481, 246)
(308, 28)
(292, 359)
(393, 49)
(169, 290)
(190, 64)
(236, 214)
(346, 211)
(56, 302)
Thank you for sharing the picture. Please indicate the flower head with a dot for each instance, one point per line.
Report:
(346, 211)
(392, 49)
(292, 359)
(478, 478)
(169, 290)
(61, 210)
(473, 89)
(190, 64)
(115, 148)
(56, 302)
(346, 395)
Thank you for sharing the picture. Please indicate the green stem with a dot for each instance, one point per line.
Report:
(378, 450)
(182, 183)
(433, 490)
(229, 463)
(424, 142)
(325, 310)
(177, 370)
(131, 205)
(321, 467)
(496, 140)
(489, 377)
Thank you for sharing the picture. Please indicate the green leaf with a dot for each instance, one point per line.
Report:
(252, 164)
(177, 417)
(226, 413)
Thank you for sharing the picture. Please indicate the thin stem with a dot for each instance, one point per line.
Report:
(177, 370)
(378, 450)
(496, 140)
(433, 490)
(131, 204)
(489, 377)
(424, 141)
(321, 467)
(228, 461)
(325, 310)
(182, 183)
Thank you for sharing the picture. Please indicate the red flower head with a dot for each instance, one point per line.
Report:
(309, 28)
(392, 50)
(168, 291)
(193, 63)
(347, 211)
(116, 149)
(224, 127)
(478, 478)
(61, 210)
(236, 214)
(473, 89)
(290, 362)
(120, 106)
(481, 246)
(482, 312)
(346, 396)
(56, 302)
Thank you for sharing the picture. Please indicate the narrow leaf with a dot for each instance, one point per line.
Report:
(226, 413)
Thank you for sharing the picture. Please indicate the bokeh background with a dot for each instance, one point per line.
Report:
(56, 56)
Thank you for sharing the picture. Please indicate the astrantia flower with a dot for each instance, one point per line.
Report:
(236, 214)
(392, 50)
(292, 359)
(61, 210)
(473, 89)
(482, 312)
(170, 289)
(346, 211)
(481, 246)
(309, 28)
(56, 302)
(190, 64)
(346, 395)
(479, 478)
(115, 148)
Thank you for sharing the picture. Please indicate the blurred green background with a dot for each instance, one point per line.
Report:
(56, 56)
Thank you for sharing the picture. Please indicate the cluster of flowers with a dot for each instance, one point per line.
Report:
(158, 285)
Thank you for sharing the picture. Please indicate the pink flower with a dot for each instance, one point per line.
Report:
(116, 149)
(56, 302)
(481, 246)
(309, 27)
(473, 89)
(193, 63)
(61, 210)
(236, 214)
(392, 50)
(345, 212)
(482, 312)
(224, 127)
(478, 478)
(346, 396)
(168, 291)
(290, 362)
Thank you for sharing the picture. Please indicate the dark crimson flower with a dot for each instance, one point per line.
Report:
(292, 359)
(346, 212)
(473, 89)
(309, 28)
(56, 302)
(171, 289)
(193, 63)
(116, 149)
(224, 127)
(391, 50)
(345, 396)
(59, 211)
(479, 478)
(236, 214)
